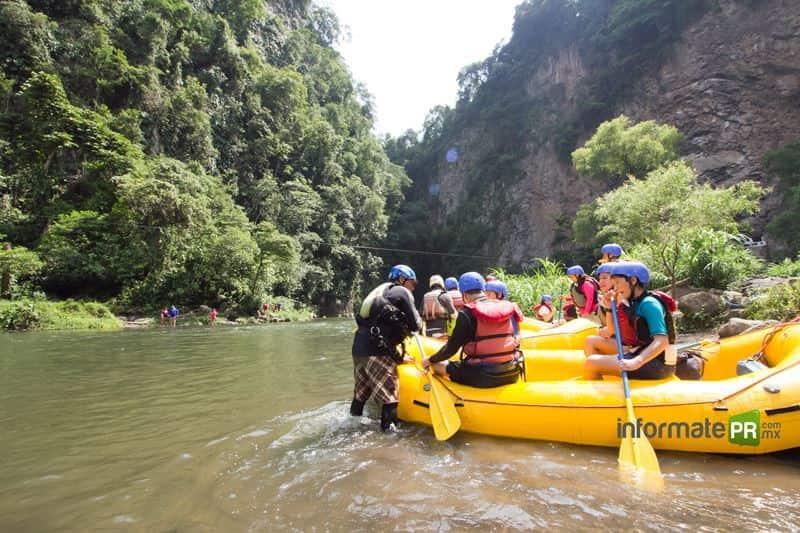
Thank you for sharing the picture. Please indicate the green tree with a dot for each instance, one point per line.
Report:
(668, 208)
(27, 40)
(15, 263)
(785, 225)
(619, 149)
(80, 255)
(278, 254)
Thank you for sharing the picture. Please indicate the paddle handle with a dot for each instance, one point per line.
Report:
(620, 351)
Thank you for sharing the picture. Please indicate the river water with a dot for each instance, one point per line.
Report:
(246, 429)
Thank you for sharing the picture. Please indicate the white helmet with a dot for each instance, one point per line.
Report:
(436, 279)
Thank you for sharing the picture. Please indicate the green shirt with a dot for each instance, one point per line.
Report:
(652, 312)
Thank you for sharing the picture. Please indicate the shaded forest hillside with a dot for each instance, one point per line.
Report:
(195, 151)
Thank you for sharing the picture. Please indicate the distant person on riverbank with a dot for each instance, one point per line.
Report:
(544, 309)
(212, 317)
(451, 284)
(173, 315)
(484, 332)
(438, 310)
(386, 317)
(164, 316)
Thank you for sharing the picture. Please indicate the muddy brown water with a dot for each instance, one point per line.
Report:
(246, 429)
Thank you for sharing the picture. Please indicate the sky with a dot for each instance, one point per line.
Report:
(408, 53)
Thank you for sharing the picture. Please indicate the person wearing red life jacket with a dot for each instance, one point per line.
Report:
(485, 335)
(497, 290)
(437, 308)
(604, 342)
(451, 285)
(650, 314)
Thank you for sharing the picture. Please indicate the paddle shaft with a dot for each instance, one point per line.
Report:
(620, 352)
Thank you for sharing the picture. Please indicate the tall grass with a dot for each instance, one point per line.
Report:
(547, 277)
(26, 314)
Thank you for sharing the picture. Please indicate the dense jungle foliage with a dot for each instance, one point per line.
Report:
(190, 151)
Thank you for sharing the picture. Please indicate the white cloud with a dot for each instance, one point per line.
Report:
(409, 53)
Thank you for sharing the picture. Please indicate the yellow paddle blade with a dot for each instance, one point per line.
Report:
(637, 457)
(626, 452)
(444, 417)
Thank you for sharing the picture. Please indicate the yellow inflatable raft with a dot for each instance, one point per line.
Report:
(753, 413)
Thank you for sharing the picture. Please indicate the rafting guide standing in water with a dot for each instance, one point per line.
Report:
(385, 318)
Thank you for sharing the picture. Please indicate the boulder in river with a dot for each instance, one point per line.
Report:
(737, 326)
(702, 302)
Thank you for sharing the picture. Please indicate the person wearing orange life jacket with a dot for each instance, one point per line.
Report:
(583, 290)
(651, 315)
(437, 308)
(451, 285)
(484, 333)
(544, 309)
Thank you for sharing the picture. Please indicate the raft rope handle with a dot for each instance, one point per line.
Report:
(767, 339)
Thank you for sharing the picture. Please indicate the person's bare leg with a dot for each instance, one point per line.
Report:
(595, 344)
(597, 366)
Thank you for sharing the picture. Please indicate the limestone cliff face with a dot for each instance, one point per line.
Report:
(731, 85)
(733, 90)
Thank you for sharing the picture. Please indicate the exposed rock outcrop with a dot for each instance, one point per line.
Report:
(702, 303)
(731, 85)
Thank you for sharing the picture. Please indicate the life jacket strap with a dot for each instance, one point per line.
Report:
(494, 359)
(496, 336)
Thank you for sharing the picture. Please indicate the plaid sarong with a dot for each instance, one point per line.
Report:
(375, 376)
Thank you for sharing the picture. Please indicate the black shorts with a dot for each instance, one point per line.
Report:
(483, 376)
(653, 369)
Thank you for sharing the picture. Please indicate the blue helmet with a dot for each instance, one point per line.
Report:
(613, 249)
(451, 284)
(605, 268)
(499, 287)
(401, 271)
(471, 281)
(575, 270)
(547, 298)
(629, 269)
